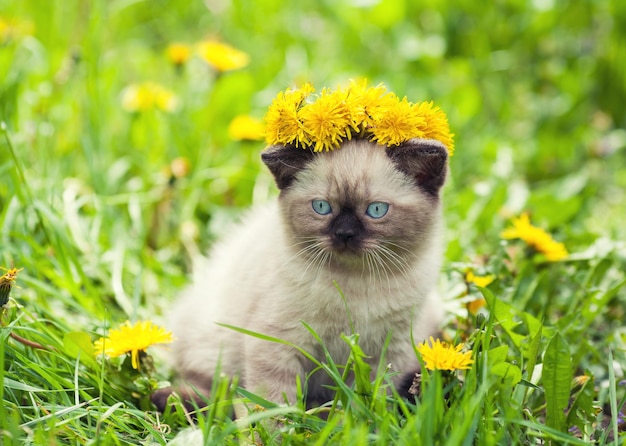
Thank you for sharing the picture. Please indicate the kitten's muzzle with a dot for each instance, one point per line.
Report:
(346, 231)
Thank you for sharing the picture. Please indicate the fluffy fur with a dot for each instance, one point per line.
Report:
(279, 268)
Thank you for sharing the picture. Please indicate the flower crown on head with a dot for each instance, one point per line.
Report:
(325, 120)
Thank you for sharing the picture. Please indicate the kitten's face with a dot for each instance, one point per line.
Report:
(358, 208)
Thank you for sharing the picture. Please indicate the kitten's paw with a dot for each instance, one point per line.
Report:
(409, 386)
(160, 396)
(191, 399)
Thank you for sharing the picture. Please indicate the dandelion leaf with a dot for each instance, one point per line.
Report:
(557, 377)
(498, 366)
(518, 325)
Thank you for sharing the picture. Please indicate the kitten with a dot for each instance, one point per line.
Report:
(365, 217)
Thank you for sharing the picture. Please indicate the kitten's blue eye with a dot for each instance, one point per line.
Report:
(377, 209)
(322, 207)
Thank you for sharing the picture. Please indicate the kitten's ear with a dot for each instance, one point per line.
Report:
(285, 162)
(424, 160)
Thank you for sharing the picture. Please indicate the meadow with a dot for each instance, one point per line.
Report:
(129, 142)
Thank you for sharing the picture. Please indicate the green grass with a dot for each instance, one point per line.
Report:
(535, 94)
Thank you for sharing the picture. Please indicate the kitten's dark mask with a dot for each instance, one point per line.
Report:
(422, 160)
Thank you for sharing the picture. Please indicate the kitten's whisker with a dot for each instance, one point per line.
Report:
(372, 268)
(395, 260)
(365, 267)
(319, 260)
(387, 244)
(303, 252)
(368, 267)
(318, 255)
(382, 266)
(304, 241)
(401, 265)
(327, 259)
(397, 245)
(310, 255)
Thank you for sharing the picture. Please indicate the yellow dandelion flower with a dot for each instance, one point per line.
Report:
(481, 281)
(137, 97)
(366, 104)
(132, 338)
(398, 122)
(536, 238)
(15, 29)
(245, 127)
(581, 380)
(435, 124)
(147, 96)
(221, 56)
(442, 356)
(180, 167)
(282, 123)
(5, 29)
(476, 305)
(178, 53)
(10, 276)
(164, 99)
(358, 111)
(7, 281)
(327, 121)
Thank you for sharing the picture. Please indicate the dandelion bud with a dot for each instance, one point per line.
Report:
(7, 281)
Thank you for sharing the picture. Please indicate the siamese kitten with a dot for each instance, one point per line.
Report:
(363, 218)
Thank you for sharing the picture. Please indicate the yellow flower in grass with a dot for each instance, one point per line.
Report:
(327, 121)
(443, 356)
(7, 281)
(178, 53)
(398, 122)
(536, 238)
(14, 29)
(132, 338)
(481, 281)
(221, 56)
(474, 306)
(180, 167)
(244, 127)
(147, 96)
(581, 380)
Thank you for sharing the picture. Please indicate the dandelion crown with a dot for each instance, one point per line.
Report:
(323, 121)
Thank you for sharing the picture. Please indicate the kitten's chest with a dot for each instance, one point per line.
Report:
(355, 301)
(362, 313)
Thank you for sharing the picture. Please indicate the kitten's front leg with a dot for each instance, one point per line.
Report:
(271, 370)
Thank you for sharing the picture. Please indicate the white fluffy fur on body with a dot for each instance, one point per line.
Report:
(268, 277)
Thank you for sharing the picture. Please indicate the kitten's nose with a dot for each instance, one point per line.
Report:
(346, 229)
(345, 234)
